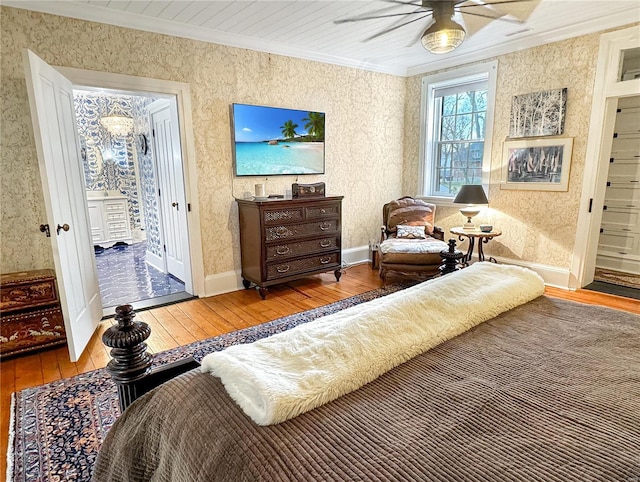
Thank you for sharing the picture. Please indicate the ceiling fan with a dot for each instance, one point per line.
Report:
(444, 34)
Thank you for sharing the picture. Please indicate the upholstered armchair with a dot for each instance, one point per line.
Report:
(410, 243)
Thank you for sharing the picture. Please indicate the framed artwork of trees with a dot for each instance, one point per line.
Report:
(538, 114)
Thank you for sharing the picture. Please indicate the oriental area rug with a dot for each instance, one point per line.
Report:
(57, 428)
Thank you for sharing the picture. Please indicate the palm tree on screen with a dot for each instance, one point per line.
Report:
(289, 129)
(315, 125)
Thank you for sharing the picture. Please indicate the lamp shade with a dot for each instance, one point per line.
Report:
(471, 194)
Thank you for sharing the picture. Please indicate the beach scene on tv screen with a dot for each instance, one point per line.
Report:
(271, 140)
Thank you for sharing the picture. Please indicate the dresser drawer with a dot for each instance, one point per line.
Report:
(113, 206)
(330, 226)
(283, 215)
(322, 211)
(288, 268)
(302, 247)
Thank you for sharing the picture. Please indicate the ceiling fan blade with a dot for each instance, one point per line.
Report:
(373, 17)
(497, 17)
(417, 38)
(518, 9)
(405, 2)
(379, 34)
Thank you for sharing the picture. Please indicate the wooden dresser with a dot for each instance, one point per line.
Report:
(285, 239)
(30, 315)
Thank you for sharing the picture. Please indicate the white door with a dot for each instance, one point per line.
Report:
(54, 127)
(167, 152)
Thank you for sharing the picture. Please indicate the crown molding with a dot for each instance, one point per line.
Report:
(91, 13)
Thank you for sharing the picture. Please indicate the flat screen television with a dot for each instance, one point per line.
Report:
(271, 141)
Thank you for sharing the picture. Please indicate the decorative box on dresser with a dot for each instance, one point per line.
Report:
(285, 239)
(30, 315)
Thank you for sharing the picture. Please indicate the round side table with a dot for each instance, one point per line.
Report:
(472, 234)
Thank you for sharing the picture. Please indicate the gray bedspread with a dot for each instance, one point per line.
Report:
(549, 391)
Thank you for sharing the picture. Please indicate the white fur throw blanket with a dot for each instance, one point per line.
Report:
(280, 377)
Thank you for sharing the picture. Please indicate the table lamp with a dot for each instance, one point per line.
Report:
(472, 195)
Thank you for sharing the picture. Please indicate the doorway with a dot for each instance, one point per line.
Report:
(617, 269)
(126, 168)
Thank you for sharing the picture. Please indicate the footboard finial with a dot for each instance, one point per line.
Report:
(130, 360)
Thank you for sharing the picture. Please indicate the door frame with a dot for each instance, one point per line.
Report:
(182, 92)
(606, 92)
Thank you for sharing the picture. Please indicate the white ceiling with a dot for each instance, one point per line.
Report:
(306, 29)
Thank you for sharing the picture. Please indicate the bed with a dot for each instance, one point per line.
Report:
(549, 390)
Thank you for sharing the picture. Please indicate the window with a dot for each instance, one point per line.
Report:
(457, 109)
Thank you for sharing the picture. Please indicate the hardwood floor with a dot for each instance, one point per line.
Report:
(194, 320)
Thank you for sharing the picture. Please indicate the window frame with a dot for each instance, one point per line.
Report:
(429, 128)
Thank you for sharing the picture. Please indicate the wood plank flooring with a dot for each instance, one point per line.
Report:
(194, 320)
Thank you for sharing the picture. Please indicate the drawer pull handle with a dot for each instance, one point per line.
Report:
(325, 244)
(283, 269)
(323, 211)
(325, 260)
(283, 249)
(325, 226)
(281, 231)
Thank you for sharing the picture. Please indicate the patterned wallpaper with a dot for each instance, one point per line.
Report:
(372, 133)
(537, 226)
(364, 130)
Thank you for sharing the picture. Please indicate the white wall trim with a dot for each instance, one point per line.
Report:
(156, 261)
(220, 283)
(130, 83)
(357, 255)
(227, 281)
(96, 13)
(552, 275)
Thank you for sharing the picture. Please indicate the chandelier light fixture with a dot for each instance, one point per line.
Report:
(117, 123)
(444, 34)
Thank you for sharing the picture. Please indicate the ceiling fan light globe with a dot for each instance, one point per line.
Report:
(440, 39)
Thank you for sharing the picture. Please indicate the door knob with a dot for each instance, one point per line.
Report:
(174, 205)
(44, 228)
(64, 227)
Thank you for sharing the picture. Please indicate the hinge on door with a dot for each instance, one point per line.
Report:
(615, 135)
(590, 204)
(618, 110)
(158, 192)
(608, 183)
(164, 248)
(601, 230)
(611, 159)
(153, 132)
(189, 207)
(604, 208)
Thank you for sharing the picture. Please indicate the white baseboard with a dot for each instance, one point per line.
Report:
(357, 255)
(552, 275)
(219, 283)
(156, 261)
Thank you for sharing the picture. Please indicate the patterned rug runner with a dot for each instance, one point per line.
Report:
(629, 280)
(57, 428)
